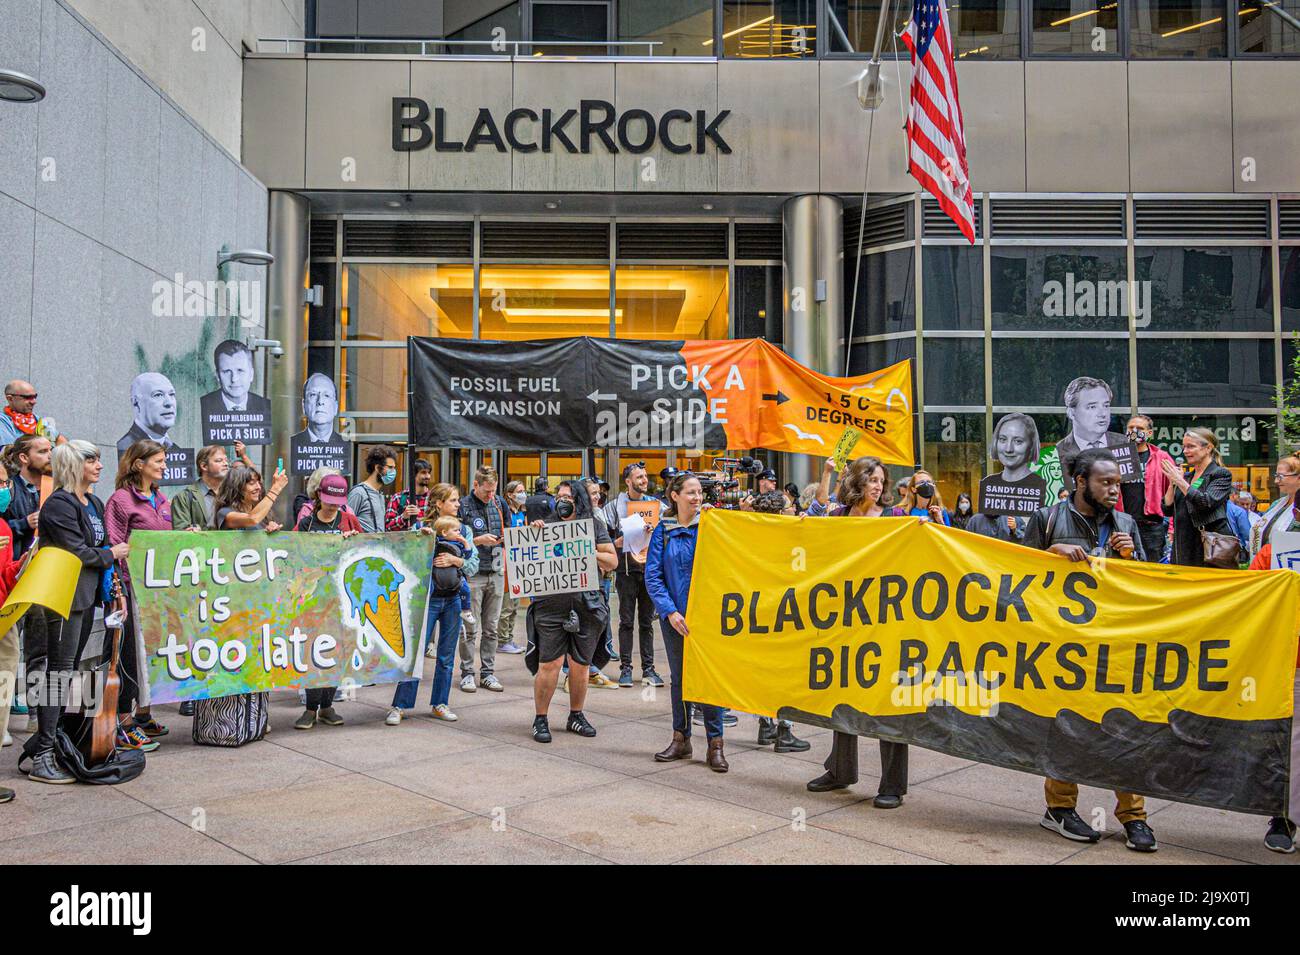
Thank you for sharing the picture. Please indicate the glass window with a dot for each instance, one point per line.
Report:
(390, 302)
(871, 356)
(569, 23)
(670, 301)
(543, 301)
(1289, 258)
(1189, 29)
(374, 379)
(682, 28)
(507, 18)
(320, 318)
(1049, 288)
(886, 294)
(1220, 290)
(1268, 27)
(954, 453)
(952, 287)
(320, 361)
(759, 303)
(1205, 373)
(1075, 27)
(1034, 372)
(954, 371)
(769, 28)
(855, 21)
(984, 29)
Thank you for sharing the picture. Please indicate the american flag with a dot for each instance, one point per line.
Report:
(936, 138)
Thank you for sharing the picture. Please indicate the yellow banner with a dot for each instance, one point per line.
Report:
(908, 630)
(50, 579)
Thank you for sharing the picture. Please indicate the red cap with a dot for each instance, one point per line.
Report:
(334, 490)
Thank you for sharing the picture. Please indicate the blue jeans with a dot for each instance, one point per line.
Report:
(674, 644)
(444, 612)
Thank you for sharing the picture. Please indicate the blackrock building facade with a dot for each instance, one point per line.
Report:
(706, 171)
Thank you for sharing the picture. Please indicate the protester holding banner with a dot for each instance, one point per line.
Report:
(516, 499)
(1287, 475)
(1145, 499)
(669, 564)
(195, 505)
(136, 504)
(921, 498)
(406, 509)
(443, 613)
(1197, 502)
(861, 488)
(483, 513)
(568, 627)
(366, 499)
(71, 519)
(632, 517)
(1088, 525)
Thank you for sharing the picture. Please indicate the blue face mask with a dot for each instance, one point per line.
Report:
(6, 495)
(390, 476)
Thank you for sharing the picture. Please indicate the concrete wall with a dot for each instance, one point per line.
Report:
(106, 188)
(1032, 126)
(193, 49)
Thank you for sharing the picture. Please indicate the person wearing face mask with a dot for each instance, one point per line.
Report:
(516, 498)
(1084, 526)
(405, 510)
(366, 499)
(1197, 501)
(921, 498)
(962, 512)
(1144, 500)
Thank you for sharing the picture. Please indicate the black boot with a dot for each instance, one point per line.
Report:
(766, 731)
(787, 742)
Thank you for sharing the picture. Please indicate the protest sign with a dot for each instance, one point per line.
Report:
(1170, 681)
(647, 512)
(222, 613)
(844, 447)
(1285, 550)
(556, 558)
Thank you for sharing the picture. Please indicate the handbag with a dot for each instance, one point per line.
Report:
(1219, 550)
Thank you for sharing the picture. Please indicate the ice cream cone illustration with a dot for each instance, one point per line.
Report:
(373, 586)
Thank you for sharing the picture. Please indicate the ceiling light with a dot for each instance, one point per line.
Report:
(20, 88)
(245, 257)
(558, 314)
(1194, 26)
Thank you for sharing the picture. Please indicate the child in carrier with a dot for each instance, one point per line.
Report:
(450, 581)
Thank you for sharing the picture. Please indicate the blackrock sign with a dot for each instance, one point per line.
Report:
(522, 130)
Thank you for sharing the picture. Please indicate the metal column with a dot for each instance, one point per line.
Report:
(286, 321)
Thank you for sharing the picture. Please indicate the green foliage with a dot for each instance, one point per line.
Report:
(1288, 399)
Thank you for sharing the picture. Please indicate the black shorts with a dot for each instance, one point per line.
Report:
(554, 642)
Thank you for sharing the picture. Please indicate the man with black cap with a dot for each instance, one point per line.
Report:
(539, 505)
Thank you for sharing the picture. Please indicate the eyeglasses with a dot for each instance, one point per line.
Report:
(1279, 475)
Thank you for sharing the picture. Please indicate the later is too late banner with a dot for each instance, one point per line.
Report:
(599, 392)
(1168, 681)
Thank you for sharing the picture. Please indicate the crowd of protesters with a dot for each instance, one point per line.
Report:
(645, 549)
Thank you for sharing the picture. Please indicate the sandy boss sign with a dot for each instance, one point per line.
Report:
(557, 558)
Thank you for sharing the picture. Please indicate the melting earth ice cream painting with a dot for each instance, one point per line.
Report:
(373, 588)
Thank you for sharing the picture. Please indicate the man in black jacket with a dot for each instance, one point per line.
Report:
(1084, 526)
(538, 505)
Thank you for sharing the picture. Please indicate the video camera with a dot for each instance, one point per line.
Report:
(721, 491)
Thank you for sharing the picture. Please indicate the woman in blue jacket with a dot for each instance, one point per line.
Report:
(668, 581)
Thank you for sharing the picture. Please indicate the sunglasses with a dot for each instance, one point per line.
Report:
(31, 397)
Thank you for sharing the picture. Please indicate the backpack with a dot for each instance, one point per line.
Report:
(445, 581)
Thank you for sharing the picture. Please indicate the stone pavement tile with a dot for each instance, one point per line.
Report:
(951, 829)
(1017, 790)
(369, 745)
(1111, 851)
(183, 775)
(759, 780)
(628, 747)
(483, 780)
(628, 704)
(1235, 835)
(144, 839)
(785, 846)
(633, 821)
(284, 824)
(39, 808)
(470, 841)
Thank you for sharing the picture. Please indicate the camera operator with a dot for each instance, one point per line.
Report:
(569, 626)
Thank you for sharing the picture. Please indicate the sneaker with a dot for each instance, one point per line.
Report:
(1068, 823)
(329, 716)
(306, 721)
(18, 707)
(133, 739)
(6, 740)
(467, 617)
(151, 728)
(490, 682)
(599, 679)
(467, 684)
(431, 651)
(443, 712)
(1280, 836)
(578, 724)
(46, 769)
(729, 718)
(187, 708)
(650, 678)
(625, 677)
(1139, 836)
(6, 795)
(542, 729)
(511, 647)
(394, 717)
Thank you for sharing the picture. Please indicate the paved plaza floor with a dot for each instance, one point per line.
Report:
(481, 791)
